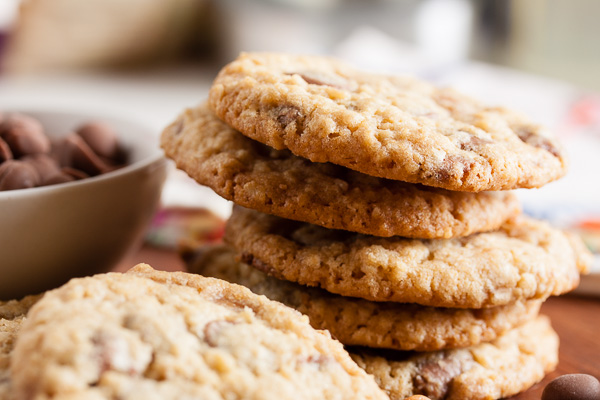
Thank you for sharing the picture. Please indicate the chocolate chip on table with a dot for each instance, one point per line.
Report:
(16, 174)
(572, 387)
(101, 138)
(24, 135)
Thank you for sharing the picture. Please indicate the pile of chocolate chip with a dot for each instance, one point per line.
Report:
(29, 158)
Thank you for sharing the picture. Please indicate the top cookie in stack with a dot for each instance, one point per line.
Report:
(389, 127)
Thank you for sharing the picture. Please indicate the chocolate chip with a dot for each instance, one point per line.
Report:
(178, 127)
(100, 137)
(74, 173)
(315, 81)
(58, 178)
(45, 166)
(249, 259)
(73, 151)
(287, 115)
(24, 135)
(449, 168)
(16, 174)
(474, 143)
(92, 151)
(572, 387)
(336, 82)
(5, 153)
(536, 140)
(435, 375)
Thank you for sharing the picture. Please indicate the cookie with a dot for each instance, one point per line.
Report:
(365, 323)
(524, 259)
(504, 367)
(277, 182)
(12, 315)
(160, 335)
(386, 126)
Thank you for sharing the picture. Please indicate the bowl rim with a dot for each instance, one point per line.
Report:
(156, 157)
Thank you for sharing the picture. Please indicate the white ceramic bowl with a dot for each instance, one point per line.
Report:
(53, 233)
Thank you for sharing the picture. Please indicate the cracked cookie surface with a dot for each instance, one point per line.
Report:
(386, 126)
(277, 182)
(504, 367)
(160, 335)
(361, 322)
(524, 259)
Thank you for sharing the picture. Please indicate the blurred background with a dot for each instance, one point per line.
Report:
(148, 59)
(549, 37)
(162, 54)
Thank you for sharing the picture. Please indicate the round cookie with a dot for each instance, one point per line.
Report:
(524, 259)
(361, 322)
(12, 315)
(504, 367)
(277, 182)
(386, 126)
(160, 335)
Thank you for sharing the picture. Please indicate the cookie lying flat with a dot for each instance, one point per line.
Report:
(365, 323)
(525, 259)
(160, 335)
(277, 182)
(508, 365)
(385, 126)
(12, 315)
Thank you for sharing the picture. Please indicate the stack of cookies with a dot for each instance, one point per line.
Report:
(379, 207)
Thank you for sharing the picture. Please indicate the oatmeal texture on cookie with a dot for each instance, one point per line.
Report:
(392, 127)
(12, 315)
(504, 367)
(277, 182)
(361, 322)
(171, 335)
(524, 259)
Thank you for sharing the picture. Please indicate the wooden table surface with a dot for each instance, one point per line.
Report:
(574, 318)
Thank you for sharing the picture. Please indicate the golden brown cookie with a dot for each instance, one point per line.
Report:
(12, 315)
(361, 322)
(386, 126)
(277, 182)
(524, 259)
(171, 335)
(504, 367)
